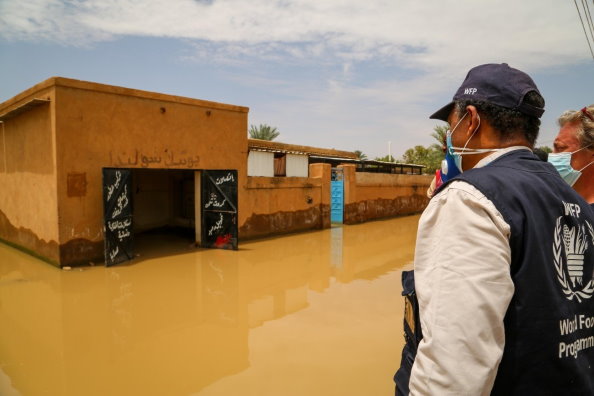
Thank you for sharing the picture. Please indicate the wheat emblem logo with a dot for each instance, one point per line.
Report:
(574, 240)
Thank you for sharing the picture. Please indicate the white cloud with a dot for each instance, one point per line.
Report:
(443, 32)
(434, 42)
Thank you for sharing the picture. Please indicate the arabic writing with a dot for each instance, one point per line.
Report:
(169, 159)
(122, 228)
(223, 179)
(213, 201)
(123, 234)
(119, 225)
(122, 203)
(217, 226)
(114, 186)
(114, 253)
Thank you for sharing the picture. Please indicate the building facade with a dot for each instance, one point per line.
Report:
(80, 159)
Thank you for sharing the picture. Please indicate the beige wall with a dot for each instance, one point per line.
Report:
(278, 205)
(28, 202)
(52, 158)
(371, 196)
(102, 126)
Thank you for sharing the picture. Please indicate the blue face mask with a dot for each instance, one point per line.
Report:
(451, 166)
(562, 162)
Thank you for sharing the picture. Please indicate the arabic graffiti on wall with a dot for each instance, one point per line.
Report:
(165, 159)
(219, 209)
(117, 215)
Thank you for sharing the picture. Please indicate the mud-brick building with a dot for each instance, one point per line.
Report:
(60, 136)
(84, 167)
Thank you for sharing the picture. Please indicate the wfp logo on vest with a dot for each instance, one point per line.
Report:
(470, 91)
(571, 246)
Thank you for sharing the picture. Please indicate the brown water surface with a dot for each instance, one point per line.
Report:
(317, 313)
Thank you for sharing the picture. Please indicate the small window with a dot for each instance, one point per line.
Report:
(260, 164)
(297, 165)
(280, 164)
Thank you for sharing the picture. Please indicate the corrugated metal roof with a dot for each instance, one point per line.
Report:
(370, 162)
(269, 150)
(278, 147)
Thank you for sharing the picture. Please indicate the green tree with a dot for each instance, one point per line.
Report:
(360, 155)
(429, 156)
(387, 158)
(546, 149)
(263, 132)
(439, 134)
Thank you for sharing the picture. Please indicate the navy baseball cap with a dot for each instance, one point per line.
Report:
(498, 84)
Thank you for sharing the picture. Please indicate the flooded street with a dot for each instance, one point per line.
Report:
(316, 313)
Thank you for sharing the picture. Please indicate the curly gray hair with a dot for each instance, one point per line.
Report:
(585, 117)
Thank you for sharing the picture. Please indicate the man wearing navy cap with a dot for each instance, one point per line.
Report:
(504, 261)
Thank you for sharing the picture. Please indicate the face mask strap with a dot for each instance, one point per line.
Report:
(592, 162)
(470, 151)
(471, 136)
(476, 151)
(451, 131)
(570, 153)
(580, 149)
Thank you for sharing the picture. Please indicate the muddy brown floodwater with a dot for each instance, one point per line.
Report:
(317, 313)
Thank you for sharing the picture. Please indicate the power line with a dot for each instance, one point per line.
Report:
(583, 27)
(588, 18)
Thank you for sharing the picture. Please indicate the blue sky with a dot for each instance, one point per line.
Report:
(341, 74)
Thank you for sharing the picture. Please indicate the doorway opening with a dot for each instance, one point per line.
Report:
(164, 211)
(158, 212)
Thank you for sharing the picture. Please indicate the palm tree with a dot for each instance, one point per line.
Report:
(263, 132)
(360, 155)
(439, 134)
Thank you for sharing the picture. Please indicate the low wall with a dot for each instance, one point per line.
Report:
(280, 205)
(371, 196)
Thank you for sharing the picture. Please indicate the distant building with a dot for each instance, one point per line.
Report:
(270, 158)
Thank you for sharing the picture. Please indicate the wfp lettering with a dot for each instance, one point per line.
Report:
(572, 349)
(569, 326)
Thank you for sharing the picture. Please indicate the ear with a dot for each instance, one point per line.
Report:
(474, 120)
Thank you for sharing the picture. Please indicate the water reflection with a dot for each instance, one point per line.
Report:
(312, 313)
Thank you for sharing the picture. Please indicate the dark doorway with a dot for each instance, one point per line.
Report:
(164, 201)
(167, 211)
(162, 206)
